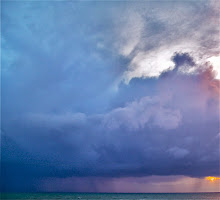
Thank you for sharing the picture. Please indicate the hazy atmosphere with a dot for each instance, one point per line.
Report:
(110, 96)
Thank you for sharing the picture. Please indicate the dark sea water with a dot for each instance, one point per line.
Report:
(85, 196)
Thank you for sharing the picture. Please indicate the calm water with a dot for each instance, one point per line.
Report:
(84, 196)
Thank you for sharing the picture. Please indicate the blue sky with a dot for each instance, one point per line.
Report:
(109, 93)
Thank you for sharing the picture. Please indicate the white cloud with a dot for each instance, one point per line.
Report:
(178, 152)
(153, 63)
(150, 37)
(215, 61)
(218, 135)
(129, 34)
(138, 114)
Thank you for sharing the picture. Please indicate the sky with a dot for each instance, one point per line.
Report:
(110, 96)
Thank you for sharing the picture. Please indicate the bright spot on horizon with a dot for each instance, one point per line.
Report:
(215, 61)
(212, 179)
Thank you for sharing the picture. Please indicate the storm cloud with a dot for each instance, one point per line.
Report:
(91, 94)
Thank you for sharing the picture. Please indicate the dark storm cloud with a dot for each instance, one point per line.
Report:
(67, 112)
(183, 59)
(83, 146)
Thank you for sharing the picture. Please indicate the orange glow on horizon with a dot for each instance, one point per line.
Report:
(212, 179)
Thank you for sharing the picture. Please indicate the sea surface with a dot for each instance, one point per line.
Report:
(108, 196)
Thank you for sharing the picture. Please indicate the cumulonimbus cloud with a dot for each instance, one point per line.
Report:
(60, 118)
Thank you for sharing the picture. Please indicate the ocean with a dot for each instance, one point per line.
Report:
(110, 196)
